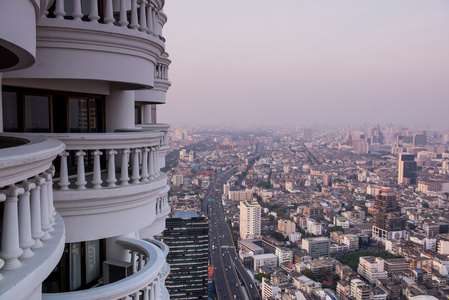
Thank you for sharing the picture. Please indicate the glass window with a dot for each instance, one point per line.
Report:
(75, 266)
(93, 270)
(10, 116)
(37, 116)
(78, 115)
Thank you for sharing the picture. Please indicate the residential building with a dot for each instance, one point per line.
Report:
(187, 236)
(82, 190)
(286, 227)
(317, 246)
(360, 290)
(388, 222)
(372, 268)
(250, 220)
(269, 289)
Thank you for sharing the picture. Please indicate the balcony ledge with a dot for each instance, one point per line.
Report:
(21, 283)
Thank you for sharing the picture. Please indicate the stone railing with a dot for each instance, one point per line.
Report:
(148, 262)
(162, 201)
(141, 15)
(134, 155)
(157, 127)
(32, 233)
(161, 71)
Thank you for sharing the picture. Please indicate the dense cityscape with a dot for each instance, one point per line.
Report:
(313, 213)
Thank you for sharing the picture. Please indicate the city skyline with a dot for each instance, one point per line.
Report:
(306, 62)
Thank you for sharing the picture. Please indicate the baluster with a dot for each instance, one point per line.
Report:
(149, 19)
(123, 16)
(59, 9)
(143, 17)
(10, 250)
(157, 172)
(133, 260)
(93, 16)
(81, 175)
(77, 14)
(136, 168)
(155, 22)
(151, 163)
(145, 165)
(45, 218)
(145, 292)
(124, 178)
(47, 175)
(109, 14)
(51, 171)
(111, 168)
(164, 72)
(64, 174)
(96, 181)
(134, 24)
(139, 259)
(36, 223)
(152, 294)
(25, 239)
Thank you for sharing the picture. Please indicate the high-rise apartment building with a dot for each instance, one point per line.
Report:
(317, 246)
(250, 220)
(372, 268)
(388, 222)
(81, 188)
(308, 134)
(187, 236)
(406, 169)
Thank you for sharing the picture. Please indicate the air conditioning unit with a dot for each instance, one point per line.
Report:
(114, 270)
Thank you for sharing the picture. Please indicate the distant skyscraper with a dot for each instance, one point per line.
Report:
(406, 169)
(388, 222)
(420, 138)
(187, 236)
(250, 220)
(308, 134)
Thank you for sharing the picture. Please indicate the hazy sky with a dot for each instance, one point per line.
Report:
(302, 62)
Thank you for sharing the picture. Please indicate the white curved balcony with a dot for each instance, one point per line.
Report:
(120, 189)
(161, 83)
(32, 233)
(162, 211)
(18, 41)
(146, 283)
(73, 38)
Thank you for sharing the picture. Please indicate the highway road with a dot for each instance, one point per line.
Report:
(230, 275)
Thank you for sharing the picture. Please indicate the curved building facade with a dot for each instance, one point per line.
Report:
(82, 194)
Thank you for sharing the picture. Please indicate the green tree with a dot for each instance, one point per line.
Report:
(259, 276)
(411, 226)
(277, 235)
(271, 217)
(264, 184)
(425, 205)
(307, 273)
(334, 228)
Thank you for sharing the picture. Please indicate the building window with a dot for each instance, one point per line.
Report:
(30, 110)
(80, 267)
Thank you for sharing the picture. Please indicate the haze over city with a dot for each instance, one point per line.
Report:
(308, 62)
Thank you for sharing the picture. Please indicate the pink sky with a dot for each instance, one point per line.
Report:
(303, 62)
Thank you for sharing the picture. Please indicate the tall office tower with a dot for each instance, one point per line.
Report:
(250, 220)
(420, 138)
(406, 169)
(388, 222)
(308, 134)
(82, 194)
(317, 246)
(187, 236)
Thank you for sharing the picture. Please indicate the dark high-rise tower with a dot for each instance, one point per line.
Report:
(387, 215)
(187, 236)
(406, 169)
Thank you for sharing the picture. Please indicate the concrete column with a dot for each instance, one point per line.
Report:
(120, 110)
(147, 114)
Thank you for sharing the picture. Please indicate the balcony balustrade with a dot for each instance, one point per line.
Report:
(32, 233)
(146, 282)
(141, 15)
